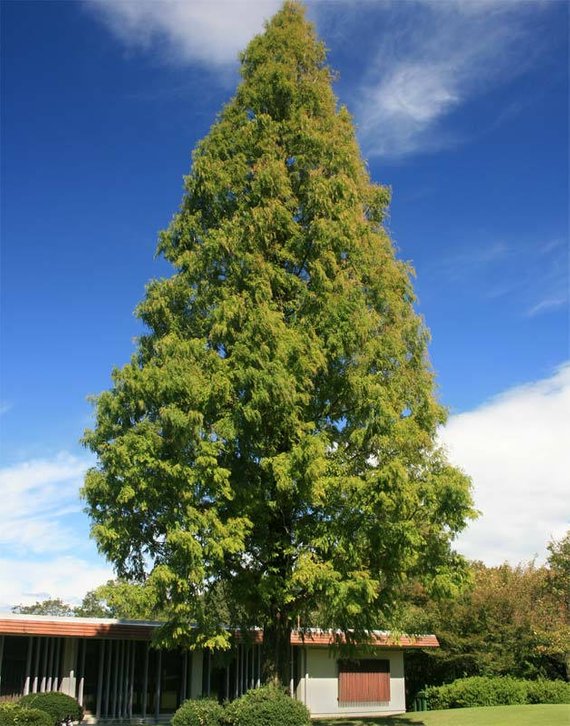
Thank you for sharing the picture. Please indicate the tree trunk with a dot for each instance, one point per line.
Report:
(277, 650)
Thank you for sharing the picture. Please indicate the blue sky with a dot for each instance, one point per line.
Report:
(461, 107)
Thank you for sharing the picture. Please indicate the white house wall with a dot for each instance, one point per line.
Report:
(318, 688)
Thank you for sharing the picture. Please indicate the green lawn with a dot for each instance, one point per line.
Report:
(540, 715)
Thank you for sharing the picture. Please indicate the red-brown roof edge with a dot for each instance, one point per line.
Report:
(38, 625)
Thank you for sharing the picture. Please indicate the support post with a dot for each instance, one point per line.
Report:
(81, 686)
(36, 665)
(43, 681)
(1, 659)
(236, 690)
(100, 679)
(184, 676)
(27, 674)
(145, 682)
(132, 679)
(121, 677)
(56, 665)
(291, 673)
(258, 666)
(107, 709)
(115, 676)
(50, 664)
(158, 684)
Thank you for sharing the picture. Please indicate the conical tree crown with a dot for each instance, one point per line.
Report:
(274, 436)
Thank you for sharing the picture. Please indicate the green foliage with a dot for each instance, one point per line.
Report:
(58, 706)
(499, 691)
(267, 706)
(200, 712)
(543, 691)
(510, 620)
(121, 600)
(275, 434)
(45, 607)
(14, 714)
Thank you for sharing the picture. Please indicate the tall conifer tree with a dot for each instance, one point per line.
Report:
(272, 443)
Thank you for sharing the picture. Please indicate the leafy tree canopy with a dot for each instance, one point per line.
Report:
(510, 620)
(275, 433)
(121, 600)
(45, 607)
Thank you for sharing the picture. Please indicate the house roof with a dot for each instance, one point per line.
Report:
(48, 625)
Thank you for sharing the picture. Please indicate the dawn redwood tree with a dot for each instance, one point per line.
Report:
(272, 443)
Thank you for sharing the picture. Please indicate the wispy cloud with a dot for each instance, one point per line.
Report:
(475, 259)
(546, 305)
(432, 58)
(43, 534)
(534, 274)
(37, 495)
(66, 576)
(209, 33)
(515, 447)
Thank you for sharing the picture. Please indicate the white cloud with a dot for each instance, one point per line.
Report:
(516, 449)
(43, 534)
(36, 495)
(185, 31)
(432, 59)
(66, 577)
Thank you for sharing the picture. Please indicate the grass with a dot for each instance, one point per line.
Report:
(536, 715)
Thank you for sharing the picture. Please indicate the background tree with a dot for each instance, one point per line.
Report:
(49, 606)
(121, 600)
(274, 435)
(509, 621)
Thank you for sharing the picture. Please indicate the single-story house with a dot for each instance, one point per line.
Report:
(112, 670)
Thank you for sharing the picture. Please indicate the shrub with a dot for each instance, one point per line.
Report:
(12, 714)
(498, 691)
(267, 706)
(548, 692)
(58, 705)
(199, 712)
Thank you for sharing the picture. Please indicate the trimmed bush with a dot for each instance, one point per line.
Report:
(58, 705)
(498, 691)
(199, 712)
(267, 706)
(12, 714)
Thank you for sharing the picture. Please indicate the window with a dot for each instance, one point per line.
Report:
(363, 682)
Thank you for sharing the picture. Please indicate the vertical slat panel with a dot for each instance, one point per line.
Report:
(365, 681)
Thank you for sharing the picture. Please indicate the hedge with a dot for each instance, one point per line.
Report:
(12, 714)
(58, 705)
(497, 691)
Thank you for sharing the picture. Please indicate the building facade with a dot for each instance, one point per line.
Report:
(114, 672)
